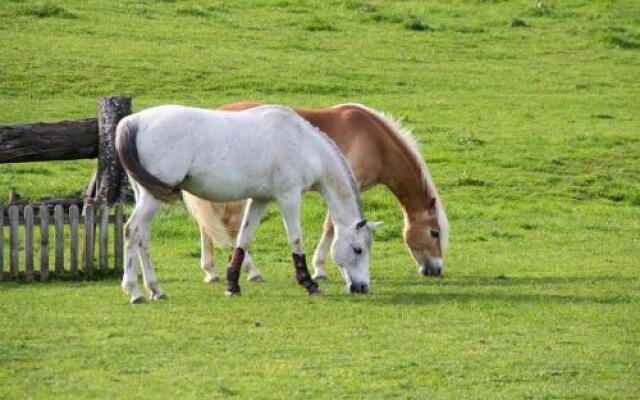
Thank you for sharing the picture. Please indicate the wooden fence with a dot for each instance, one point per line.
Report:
(93, 223)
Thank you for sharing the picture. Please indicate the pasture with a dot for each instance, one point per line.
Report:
(528, 117)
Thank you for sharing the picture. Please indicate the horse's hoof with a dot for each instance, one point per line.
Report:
(159, 296)
(255, 278)
(316, 292)
(211, 279)
(320, 277)
(138, 300)
(229, 293)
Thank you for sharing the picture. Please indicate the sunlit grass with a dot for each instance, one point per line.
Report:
(527, 114)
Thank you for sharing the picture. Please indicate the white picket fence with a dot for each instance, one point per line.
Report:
(93, 223)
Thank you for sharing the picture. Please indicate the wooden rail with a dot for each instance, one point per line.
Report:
(65, 140)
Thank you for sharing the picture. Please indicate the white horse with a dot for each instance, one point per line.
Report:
(266, 153)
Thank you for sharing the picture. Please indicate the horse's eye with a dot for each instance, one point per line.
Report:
(435, 233)
(357, 250)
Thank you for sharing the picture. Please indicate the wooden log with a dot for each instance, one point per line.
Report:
(111, 180)
(73, 239)
(104, 237)
(44, 242)
(118, 240)
(88, 238)
(13, 240)
(28, 243)
(58, 216)
(1, 243)
(66, 140)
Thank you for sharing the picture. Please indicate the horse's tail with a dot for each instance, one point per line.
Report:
(208, 215)
(127, 150)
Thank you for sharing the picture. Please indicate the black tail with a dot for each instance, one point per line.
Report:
(128, 153)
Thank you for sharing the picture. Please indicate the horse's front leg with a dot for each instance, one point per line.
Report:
(252, 215)
(290, 207)
(320, 255)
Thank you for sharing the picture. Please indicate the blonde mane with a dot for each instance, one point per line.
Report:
(406, 137)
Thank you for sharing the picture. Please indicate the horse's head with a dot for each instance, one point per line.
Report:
(426, 235)
(350, 251)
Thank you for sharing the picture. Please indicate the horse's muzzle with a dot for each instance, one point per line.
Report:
(431, 268)
(361, 288)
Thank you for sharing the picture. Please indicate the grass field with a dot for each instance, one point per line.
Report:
(528, 117)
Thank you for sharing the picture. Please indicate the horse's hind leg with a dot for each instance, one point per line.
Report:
(320, 255)
(137, 232)
(206, 258)
(252, 215)
(290, 207)
(208, 265)
(253, 273)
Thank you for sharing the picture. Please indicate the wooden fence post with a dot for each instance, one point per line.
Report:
(104, 237)
(14, 220)
(110, 182)
(44, 242)
(28, 243)
(88, 238)
(73, 239)
(58, 216)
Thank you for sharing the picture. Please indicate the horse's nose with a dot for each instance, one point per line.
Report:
(432, 268)
(433, 271)
(359, 288)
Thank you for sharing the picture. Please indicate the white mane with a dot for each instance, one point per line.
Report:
(406, 136)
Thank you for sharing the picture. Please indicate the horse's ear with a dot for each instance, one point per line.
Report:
(432, 204)
(374, 225)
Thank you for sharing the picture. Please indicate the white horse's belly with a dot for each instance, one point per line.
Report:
(225, 188)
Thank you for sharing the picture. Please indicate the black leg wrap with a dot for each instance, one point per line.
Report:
(233, 272)
(302, 274)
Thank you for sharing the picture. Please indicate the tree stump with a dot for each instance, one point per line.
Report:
(109, 183)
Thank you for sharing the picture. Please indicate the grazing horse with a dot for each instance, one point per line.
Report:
(380, 151)
(265, 153)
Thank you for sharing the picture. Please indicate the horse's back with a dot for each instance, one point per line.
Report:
(358, 133)
(227, 155)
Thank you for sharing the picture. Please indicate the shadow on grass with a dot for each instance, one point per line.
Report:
(109, 276)
(474, 289)
(465, 289)
(499, 297)
(503, 280)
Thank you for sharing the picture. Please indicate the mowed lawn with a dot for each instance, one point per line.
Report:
(528, 117)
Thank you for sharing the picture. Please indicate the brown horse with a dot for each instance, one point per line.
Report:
(379, 151)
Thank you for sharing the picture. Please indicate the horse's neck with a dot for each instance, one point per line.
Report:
(404, 177)
(341, 199)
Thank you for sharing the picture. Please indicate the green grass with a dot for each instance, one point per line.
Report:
(527, 112)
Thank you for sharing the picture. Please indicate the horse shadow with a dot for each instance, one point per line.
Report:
(500, 289)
